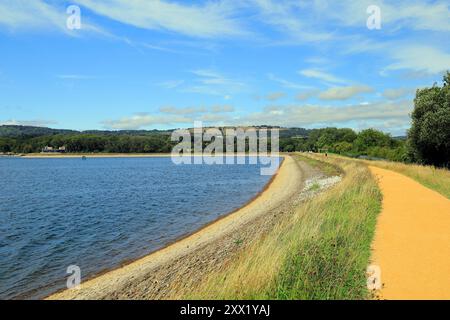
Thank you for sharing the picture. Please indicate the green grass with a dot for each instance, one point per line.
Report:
(327, 168)
(319, 252)
(314, 187)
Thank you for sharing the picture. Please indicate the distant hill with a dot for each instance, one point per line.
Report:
(11, 131)
(14, 131)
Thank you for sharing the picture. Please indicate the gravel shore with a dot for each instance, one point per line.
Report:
(161, 275)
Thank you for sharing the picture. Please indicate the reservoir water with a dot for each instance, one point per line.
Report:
(99, 213)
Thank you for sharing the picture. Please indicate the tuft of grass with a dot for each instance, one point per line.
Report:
(314, 187)
(319, 252)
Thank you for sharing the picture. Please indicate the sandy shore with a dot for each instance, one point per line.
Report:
(185, 262)
(412, 239)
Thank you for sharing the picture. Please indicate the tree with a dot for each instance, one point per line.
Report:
(429, 136)
(372, 138)
(342, 147)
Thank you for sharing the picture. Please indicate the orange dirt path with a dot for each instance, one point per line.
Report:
(412, 239)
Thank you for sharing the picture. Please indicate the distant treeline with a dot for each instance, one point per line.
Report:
(370, 142)
(155, 143)
(345, 141)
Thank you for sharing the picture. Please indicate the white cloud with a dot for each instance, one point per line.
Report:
(213, 19)
(208, 77)
(321, 75)
(315, 115)
(420, 58)
(305, 95)
(172, 116)
(212, 82)
(386, 116)
(344, 93)
(396, 93)
(182, 111)
(37, 15)
(289, 18)
(222, 109)
(286, 83)
(171, 84)
(74, 77)
(274, 96)
(34, 123)
(197, 110)
(25, 14)
(143, 120)
(411, 14)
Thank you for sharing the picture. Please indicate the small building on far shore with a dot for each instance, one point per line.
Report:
(48, 149)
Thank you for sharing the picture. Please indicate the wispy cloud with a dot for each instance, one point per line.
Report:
(38, 15)
(143, 120)
(411, 14)
(397, 93)
(75, 77)
(321, 75)
(419, 58)
(213, 82)
(213, 19)
(287, 83)
(344, 93)
(197, 110)
(173, 116)
(314, 115)
(34, 123)
(305, 95)
(274, 96)
(23, 14)
(171, 84)
(289, 18)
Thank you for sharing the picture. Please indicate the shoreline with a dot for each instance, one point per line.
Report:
(125, 155)
(93, 155)
(109, 282)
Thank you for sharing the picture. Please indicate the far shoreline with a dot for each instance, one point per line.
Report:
(129, 155)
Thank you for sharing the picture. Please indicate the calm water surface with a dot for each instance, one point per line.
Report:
(98, 213)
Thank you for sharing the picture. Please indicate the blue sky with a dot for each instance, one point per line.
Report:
(165, 64)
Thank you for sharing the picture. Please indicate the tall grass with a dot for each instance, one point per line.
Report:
(319, 252)
(431, 177)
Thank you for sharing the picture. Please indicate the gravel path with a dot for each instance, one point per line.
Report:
(412, 239)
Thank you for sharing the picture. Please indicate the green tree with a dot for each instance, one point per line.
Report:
(429, 136)
(342, 147)
(370, 138)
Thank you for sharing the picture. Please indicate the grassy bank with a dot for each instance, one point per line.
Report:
(431, 177)
(319, 252)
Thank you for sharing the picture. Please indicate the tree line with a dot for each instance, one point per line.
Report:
(345, 141)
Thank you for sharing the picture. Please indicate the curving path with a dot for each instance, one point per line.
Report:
(412, 239)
